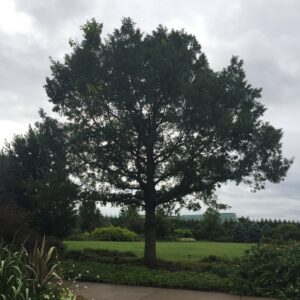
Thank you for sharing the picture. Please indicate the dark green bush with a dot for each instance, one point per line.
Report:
(139, 275)
(30, 275)
(112, 233)
(183, 233)
(97, 254)
(270, 270)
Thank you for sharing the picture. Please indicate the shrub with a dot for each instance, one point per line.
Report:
(15, 224)
(112, 233)
(140, 275)
(270, 270)
(12, 281)
(97, 255)
(183, 233)
(30, 275)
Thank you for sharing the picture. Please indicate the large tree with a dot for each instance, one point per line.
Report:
(90, 216)
(151, 124)
(34, 175)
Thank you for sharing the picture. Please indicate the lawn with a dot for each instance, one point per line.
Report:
(175, 251)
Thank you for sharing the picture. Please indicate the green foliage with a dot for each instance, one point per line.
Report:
(12, 279)
(254, 233)
(164, 227)
(210, 227)
(270, 270)
(183, 233)
(134, 84)
(30, 275)
(41, 266)
(15, 224)
(239, 232)
(112, 233)
(124, 97)
(100, 255)
(90, 216)
(36, 178)
(139, 275)
(130, 218)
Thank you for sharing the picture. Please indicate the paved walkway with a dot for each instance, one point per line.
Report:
(99, 291)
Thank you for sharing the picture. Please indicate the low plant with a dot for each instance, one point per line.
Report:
(100, 255)
(12, 279)
(42, 267)
(112, 233)
(138, 275)
(30, 275)
(183, 233)
(270, 270)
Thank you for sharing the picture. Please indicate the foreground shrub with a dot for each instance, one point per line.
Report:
(30, 276)
(141, 276)
(270, 270)
(12, 281)
(113, 233)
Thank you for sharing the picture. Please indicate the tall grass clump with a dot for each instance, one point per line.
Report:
(30, 275)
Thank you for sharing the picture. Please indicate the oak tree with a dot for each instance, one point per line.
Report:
(150, 124)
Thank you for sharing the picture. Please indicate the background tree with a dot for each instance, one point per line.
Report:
(254, 233)
(288, 232)
(211, 224)
(130, 218)
(37, 178)
(163, 224)
(14, 223)
(239, 232)
(90, 216)
(150, 122)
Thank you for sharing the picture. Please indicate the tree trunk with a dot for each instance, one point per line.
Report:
(150, 237)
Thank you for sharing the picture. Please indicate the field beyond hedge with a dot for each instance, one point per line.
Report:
(172, 251)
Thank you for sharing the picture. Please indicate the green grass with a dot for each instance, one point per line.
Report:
(174, 251)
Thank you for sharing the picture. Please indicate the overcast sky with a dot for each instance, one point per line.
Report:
(265, 33)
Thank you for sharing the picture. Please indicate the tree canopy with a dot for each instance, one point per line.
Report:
(35, 176)
(151, 124)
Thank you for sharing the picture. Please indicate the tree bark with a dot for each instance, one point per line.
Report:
(150, 237)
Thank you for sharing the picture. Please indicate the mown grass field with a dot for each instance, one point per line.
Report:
(174, 251)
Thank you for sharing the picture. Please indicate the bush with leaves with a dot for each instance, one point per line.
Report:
(137, 275)
(113, 233)
(183, 233)
(270, 270)
(30, 276)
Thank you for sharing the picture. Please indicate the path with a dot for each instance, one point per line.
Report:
(99, 291)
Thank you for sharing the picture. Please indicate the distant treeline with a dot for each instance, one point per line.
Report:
(209, 227)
